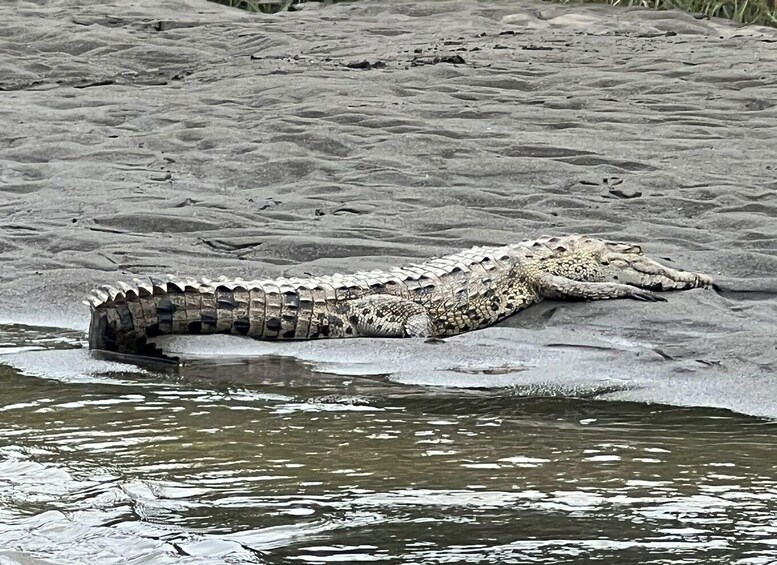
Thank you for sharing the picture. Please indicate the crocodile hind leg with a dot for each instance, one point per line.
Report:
(384, 315)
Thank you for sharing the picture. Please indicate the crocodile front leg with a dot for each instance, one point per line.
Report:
(384, 315)
(555, 286)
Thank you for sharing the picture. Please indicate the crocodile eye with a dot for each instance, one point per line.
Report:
(620, 263)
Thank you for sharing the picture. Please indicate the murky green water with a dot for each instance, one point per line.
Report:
(263, 461)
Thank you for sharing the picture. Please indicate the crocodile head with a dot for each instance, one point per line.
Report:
(588, 259)
(626, 264)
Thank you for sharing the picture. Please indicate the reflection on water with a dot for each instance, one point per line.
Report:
(263, 461)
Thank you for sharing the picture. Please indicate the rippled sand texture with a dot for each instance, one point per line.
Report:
(190, 138)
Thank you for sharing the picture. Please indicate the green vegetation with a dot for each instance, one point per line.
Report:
(762, 12)
(263, 6)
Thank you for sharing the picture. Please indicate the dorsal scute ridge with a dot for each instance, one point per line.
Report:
(435, 267)
(176, 283)
(113, 293)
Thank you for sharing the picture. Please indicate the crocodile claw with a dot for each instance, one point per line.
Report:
(646, 295)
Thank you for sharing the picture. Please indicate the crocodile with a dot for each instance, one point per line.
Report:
(441, 297)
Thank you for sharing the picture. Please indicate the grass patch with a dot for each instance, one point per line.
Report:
(761, 12)
(262, 6)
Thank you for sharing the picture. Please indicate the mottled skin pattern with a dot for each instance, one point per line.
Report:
(441, 297)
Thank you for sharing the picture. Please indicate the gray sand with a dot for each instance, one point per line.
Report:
(186, 137)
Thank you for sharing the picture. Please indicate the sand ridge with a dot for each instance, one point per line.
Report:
(190, 138)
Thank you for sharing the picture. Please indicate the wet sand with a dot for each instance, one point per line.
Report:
(194, 139)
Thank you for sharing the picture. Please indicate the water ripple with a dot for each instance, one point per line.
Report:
(245, 464)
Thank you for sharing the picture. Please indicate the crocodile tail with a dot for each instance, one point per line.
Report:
(125, 317)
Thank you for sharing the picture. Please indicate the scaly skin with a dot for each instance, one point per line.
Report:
(441, 297)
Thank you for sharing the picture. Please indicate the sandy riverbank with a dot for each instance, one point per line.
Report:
(190, 138)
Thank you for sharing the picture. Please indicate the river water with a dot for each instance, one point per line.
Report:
(265, 460)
